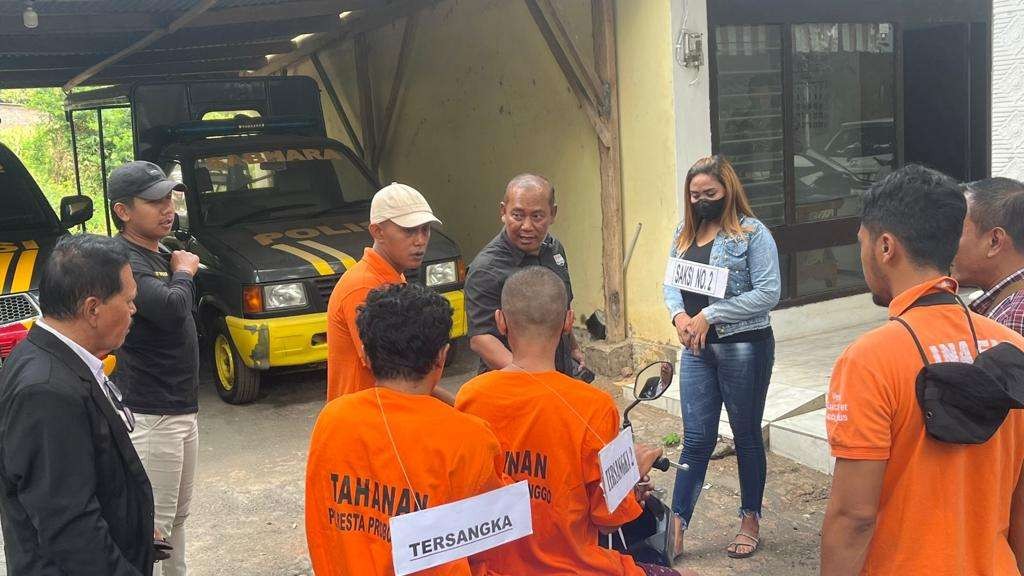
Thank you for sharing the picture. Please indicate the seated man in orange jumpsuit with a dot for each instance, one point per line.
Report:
(393, 448)
(544, 419)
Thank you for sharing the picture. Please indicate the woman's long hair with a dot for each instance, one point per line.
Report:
(736, 202)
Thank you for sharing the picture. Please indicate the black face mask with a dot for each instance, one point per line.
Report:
(709, 209)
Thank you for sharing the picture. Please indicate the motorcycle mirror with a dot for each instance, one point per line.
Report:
(653, 380)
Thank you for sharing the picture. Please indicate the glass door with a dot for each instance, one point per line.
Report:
(807, 114)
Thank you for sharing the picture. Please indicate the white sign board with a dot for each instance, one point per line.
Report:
(434, 536)
(619, 471)
(696, 277)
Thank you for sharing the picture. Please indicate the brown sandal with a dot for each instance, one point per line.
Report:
(675, 538)
(735, 544)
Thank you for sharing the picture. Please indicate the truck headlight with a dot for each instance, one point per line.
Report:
(442, 273)
(280, 296)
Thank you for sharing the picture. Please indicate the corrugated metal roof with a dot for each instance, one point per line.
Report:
(101, 6)
(231, 37)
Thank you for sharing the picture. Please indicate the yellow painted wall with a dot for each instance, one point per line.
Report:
(648, 158)
(484, 100)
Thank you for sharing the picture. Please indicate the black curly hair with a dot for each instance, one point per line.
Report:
(403, 328)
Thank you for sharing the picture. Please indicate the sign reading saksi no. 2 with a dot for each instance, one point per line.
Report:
(696, 277)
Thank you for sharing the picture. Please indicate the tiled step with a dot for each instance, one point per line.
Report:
(803, 438)
(782, 402)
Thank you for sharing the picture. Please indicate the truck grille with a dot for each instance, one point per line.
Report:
(325, 285)
(17, 308)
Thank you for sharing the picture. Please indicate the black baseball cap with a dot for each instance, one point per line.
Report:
(140, 179)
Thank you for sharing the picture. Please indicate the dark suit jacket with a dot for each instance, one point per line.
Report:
(75, 497)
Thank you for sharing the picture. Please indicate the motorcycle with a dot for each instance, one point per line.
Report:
(648, 538)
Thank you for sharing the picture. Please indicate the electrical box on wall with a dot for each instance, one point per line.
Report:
(692, 48)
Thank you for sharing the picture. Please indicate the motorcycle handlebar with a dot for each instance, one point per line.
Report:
(663, 464)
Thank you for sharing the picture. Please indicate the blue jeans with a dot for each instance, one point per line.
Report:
(738, 375)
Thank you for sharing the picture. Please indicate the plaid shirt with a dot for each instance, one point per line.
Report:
(1009, 312)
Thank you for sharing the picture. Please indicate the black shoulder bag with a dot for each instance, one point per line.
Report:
(967, 403)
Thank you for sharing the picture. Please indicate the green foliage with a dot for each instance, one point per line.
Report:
(671, 440)
(45, 148)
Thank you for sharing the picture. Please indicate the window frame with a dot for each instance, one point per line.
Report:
(793, 237)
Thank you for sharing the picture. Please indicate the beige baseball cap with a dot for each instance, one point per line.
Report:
(401, 204)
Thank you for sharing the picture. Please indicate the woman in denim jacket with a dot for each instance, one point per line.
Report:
(729, 348)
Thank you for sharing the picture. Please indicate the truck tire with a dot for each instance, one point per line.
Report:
(236, 383)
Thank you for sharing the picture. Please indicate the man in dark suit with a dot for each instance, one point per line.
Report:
(75, 497)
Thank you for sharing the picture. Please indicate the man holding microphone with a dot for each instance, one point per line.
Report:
(158, 365)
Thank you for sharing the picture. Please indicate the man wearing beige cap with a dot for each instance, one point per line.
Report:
(400, 221)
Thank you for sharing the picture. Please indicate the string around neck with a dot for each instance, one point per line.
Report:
(394, 446)
(559, 396)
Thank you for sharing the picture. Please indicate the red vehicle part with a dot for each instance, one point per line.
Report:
(10, 335)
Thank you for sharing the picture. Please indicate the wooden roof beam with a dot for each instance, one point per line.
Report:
(233, 65)
(354, 24)
(247, 33)
(53, 61)
(56, 78)
(137, 46)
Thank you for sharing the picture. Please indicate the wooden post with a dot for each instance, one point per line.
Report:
(366, 115)
(603, 13)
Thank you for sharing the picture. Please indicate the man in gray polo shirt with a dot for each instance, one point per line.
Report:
(527, 211)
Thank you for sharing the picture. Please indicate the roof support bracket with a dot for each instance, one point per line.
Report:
(325, 79)
(408, 37)
(366, 111)
(583, 82)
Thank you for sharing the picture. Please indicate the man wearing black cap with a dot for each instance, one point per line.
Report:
(158, 365)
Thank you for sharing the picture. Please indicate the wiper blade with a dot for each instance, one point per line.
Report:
(263, 211)
(349, 207)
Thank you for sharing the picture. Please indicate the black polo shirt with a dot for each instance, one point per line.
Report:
(158, 364)
(487, 274)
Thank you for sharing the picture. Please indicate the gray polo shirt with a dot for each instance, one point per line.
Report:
(487, 274)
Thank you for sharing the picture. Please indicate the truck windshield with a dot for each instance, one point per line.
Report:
(281, 182)
(22, 209)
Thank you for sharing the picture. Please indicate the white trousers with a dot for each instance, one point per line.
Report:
(169, 447)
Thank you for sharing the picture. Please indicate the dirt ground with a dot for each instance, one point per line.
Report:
(247, 514)
(794, 505)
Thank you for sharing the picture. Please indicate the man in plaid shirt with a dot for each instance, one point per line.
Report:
(991, 253)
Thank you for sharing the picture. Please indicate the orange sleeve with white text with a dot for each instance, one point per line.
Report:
(859, 411)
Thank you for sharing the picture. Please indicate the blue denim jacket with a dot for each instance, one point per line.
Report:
(754, 285)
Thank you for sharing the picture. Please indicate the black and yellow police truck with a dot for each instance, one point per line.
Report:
(275, 210)
(28, 231)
